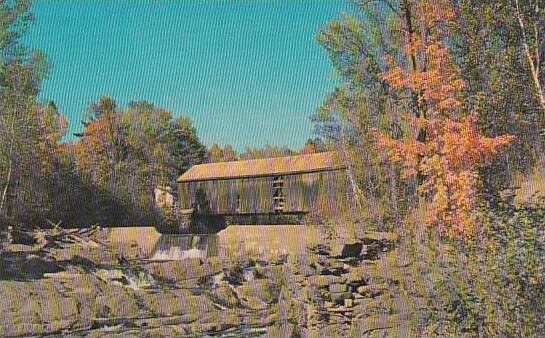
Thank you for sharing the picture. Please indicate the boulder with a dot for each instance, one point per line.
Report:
(352, 250)
(339, 297)
(23, 237)
(371, 291)
(338, 288)
(323, 281)
(320, 249)
(35, 267)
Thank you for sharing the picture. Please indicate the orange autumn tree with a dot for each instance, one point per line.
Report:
(444, 147)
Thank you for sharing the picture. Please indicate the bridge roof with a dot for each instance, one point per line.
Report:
(297, 164)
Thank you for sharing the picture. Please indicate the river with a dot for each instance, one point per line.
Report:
(242, 281)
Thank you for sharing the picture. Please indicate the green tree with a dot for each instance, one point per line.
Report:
(266, 152)
(357, 46)
(29, 130)
(315, 145)
(218, 154)
(123, 154)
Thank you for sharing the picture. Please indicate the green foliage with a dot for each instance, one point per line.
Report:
(515, 248)
(219, 154)
(266, 152)
(490, 52)
(491, 287)
(15, 20)
(108, 176)
(356, 46)
(123, 155)
(29, 130)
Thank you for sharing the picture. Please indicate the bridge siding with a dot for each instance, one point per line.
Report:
(303, 192)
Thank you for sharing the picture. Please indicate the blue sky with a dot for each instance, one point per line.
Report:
(248, 73)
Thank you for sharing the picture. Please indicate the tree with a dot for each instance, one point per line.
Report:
(218, 154)
(229, 153)
(489, 48)
(184, 145)
(123, 154)
(266, 152)
(214, 154)
(29, 130)
(16, 18)
(446, 147)
(356, 46)
(531, 24)
(313, 146)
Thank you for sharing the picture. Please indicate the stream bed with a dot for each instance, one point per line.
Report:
(243, 281)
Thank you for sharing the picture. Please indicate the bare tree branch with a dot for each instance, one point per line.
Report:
(534, 70)
(389, 4)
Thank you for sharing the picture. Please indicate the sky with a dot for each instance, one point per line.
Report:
(248, 73)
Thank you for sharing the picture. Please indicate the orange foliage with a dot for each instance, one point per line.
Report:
(52, 126)
(94, 147)
(453, 147)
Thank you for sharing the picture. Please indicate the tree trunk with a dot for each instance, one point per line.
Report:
(10, 171)
(8, 182)
(416, 96)
(350, 173)
(533, 64)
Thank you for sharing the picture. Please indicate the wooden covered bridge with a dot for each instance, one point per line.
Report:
(263, 191)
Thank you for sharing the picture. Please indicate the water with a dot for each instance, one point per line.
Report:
(242, 281)
(262, 242)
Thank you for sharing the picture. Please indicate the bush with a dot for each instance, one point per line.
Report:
(495, 285)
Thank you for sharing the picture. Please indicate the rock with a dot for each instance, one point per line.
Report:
(23, 237)
(320, 249)
(335, 268)
(381, 322)
(318, 267)
(248, 275)
(339, 297)
(335, 264)
(259, 271)
(62, 275)
(369, 304)
(354, 279)
(340, 310)
(257, 295)
(374, 246)
(81, 262)
(36, 267)
(107, 275)
(371, 291)
(225, 296)
(338, 288)
(217, 279)
(323, 281)
(235, 276)
(351, 250)
(306, 294)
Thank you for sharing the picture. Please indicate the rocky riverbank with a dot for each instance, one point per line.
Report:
(76, 282)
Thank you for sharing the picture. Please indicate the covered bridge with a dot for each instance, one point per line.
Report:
(292, 185)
